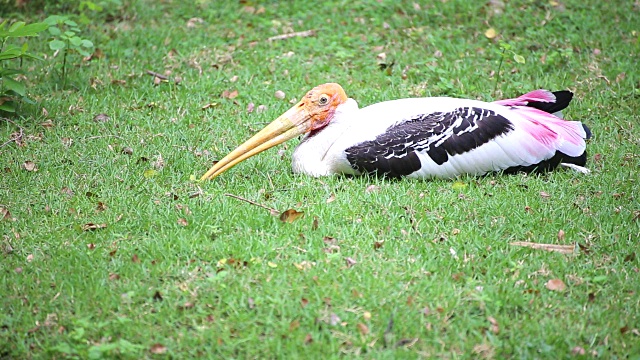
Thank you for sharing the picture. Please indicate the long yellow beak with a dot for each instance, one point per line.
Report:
(292, 123)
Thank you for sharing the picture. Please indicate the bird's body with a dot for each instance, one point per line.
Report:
(423, 137)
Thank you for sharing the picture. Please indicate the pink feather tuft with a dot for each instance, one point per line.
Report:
(540, 95)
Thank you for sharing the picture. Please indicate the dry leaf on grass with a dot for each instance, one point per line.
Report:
(4, 213)
(209, 105)
(364, 330)
(564, 249)
(490, 33)
(308, 339)
(291, 215)
(230, 94)
(304, 302)
(371, 188)
(560, 235)
(92, 226)
(158, 349)
(555, 285)
(101, 118)
(350, 261)
(495, 327)
(30, 166)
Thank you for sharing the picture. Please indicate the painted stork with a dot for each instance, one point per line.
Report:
(422, 137)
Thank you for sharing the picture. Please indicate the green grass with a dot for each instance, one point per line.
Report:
(210, 276)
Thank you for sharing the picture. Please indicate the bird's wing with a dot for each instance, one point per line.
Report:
(467, 140)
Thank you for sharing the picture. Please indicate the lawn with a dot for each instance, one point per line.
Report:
(112, 248)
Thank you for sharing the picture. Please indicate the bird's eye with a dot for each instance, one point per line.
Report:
(324, 99)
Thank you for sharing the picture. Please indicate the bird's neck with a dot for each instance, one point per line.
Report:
(315, 154)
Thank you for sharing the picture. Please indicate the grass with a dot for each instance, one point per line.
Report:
(410, 269)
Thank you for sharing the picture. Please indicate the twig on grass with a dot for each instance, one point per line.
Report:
(13, 138)
(159, 76)
(293, 34)
(564, 249)
(101, 136)
(271, 210)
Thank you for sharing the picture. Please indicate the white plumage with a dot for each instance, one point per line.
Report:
(422, 137)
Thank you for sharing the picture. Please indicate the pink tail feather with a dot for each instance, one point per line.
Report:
(540, 95)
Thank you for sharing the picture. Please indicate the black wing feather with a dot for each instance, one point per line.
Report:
(439, 134)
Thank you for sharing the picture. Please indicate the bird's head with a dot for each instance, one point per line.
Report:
(312, 113)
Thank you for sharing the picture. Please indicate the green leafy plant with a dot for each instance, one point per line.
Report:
(505, 51)
(10, 88)
(65, 37)
(88, 9)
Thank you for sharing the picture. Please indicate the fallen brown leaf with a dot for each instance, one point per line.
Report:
(4, 213)
(97, 54)
(101, 118)
(578, 350)
(555, 285)
(186, 306)
(371, 188)
(628, 258)
(564, 249)
(544, 195)
(193, 22)
(495, 328)
(114, 276)
(350, 261)
(364, 329)
(490, 33)
(406, 342)
(294, 325)
(30, 166)
(101, 206)
(334, 319)
(308, 339)
(92, 226)
(209, 105)
(226, 94)
(560, 235)
(47, 124)
(331, 198)
(182, 222)
(484, 350)
(158, 349)
(291, 215)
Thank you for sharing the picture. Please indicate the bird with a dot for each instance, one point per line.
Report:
(429, 137)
